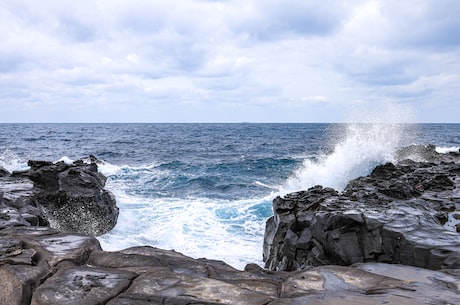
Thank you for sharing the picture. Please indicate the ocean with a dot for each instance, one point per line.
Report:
(206, 190)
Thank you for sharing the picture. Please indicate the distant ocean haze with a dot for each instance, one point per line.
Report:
(206, 190)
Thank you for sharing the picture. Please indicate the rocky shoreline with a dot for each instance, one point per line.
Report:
(405, 213)
(321, 246)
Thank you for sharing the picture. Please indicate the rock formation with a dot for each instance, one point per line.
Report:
(67, 197)
(403, 213)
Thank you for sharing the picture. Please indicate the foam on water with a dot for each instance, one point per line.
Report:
(446, 150)
(212, 203)
(228, 230)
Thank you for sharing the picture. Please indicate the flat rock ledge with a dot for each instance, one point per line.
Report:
(42, 265)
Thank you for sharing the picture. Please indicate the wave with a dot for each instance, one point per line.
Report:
(228, 230)
(11, 161)
(446, 150)
(200, 225)
(362, 147)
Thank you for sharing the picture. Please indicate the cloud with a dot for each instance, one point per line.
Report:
(234, 60)
(424, 24)
(274, 20)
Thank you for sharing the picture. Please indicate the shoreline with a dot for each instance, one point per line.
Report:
(40, 265)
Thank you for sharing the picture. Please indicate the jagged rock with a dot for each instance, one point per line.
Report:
(71, 197)
(68, 197)
(417, 153)
(398, 214)
(4, 172)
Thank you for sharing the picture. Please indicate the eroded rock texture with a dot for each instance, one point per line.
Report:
(67, 197)
(404, 213)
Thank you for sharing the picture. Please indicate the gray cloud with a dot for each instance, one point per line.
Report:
(268, 20)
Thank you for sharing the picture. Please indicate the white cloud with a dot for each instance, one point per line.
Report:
(257, 57)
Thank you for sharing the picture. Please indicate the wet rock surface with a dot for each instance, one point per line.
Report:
(401, 213)
(40, 265)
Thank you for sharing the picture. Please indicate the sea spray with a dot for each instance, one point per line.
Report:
(11, 161)
(364, 145)
(371, 138)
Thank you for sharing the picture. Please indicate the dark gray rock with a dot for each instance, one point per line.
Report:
(68, 197)
(4, 172)
(401, 213)
(71, 197)
(82, 285)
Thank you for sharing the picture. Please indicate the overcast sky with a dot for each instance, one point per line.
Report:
(227, 61)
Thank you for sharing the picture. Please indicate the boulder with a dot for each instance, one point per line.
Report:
(401, 213)
(72, 198)
(68, 197)
(4, 172)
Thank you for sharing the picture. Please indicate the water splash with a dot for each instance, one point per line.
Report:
(11, 161)
(360, 147)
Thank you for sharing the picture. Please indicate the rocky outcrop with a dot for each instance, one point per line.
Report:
(404, 213)
(67, 197)
(42, 266)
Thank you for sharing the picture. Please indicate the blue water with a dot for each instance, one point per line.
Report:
(206, 189)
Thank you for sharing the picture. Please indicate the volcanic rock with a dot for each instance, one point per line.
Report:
(68, 197)
(398, 214)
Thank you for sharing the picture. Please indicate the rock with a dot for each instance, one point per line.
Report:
(4, 172)
(397, 214)
(417, 153)
(82, 285)
(19, 282)
(68, 197)
(71, 197)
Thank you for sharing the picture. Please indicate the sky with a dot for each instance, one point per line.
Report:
(229, 60)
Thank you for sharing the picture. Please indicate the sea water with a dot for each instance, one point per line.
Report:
(206, 190)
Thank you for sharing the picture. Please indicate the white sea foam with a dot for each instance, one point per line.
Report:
(227, 230)
(197, 227)
(11, 161)
(363, 147)
(446, 150)
(66, 160)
